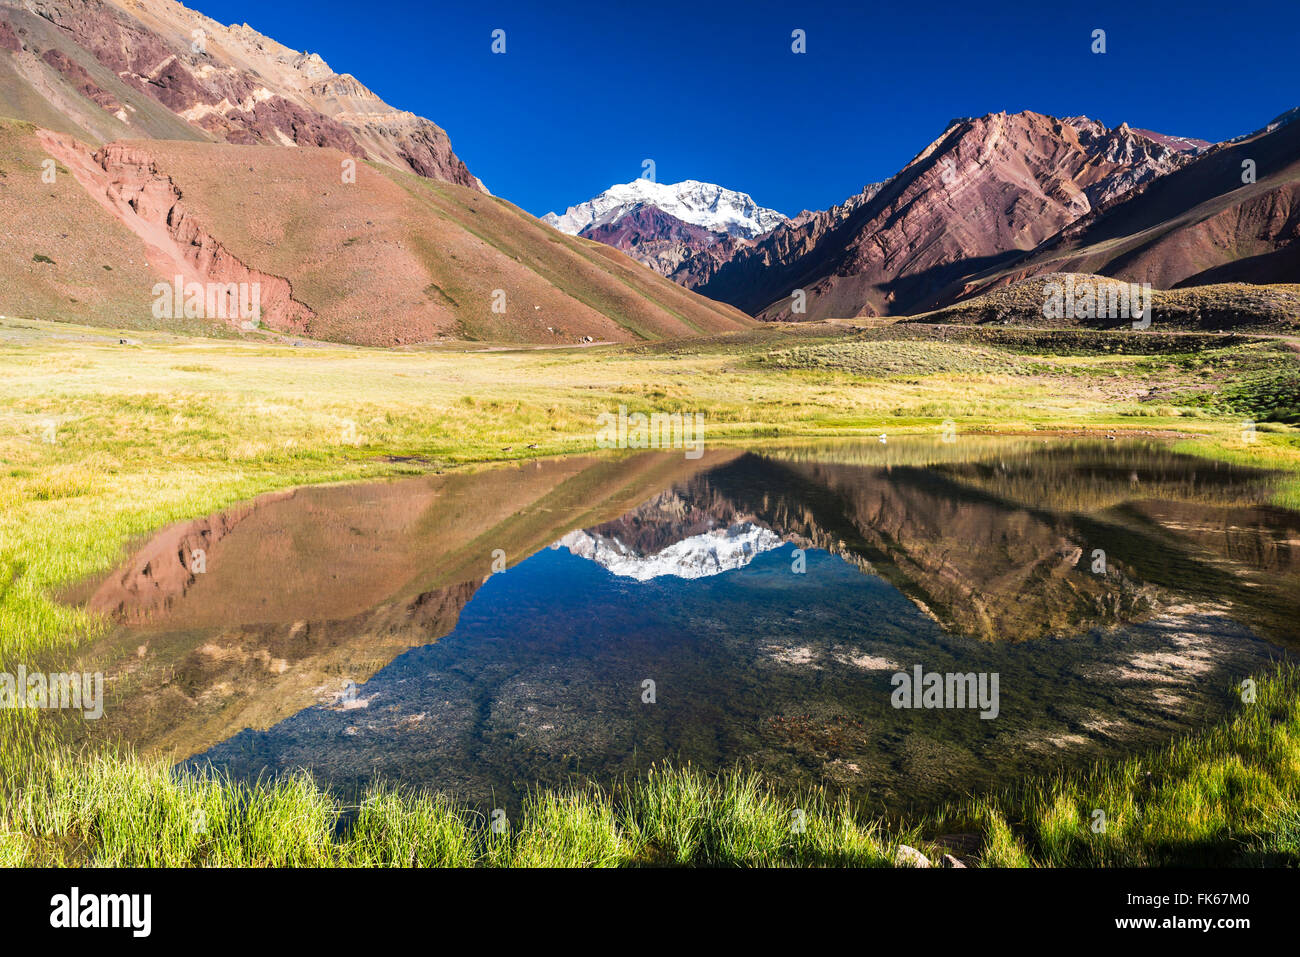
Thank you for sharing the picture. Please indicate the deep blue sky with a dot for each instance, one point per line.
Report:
(711, 90)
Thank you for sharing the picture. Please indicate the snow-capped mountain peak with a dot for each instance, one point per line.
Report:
(701, 204)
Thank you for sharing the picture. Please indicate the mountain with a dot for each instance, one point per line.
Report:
(983, 193)
(186, 148)
(716, 209)
(390, 259)
(1179, 144)
(785, 243)
(104, 70)
(1199, 225)
(166, 145)
(656, 239)
(662, 225)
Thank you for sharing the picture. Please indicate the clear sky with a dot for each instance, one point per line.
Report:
(710, 89)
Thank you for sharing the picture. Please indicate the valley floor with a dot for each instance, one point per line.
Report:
(107, 436)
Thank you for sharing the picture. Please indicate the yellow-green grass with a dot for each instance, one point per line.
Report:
(110, 810)
(1229, 795)
(1224, 796)
(102, 442)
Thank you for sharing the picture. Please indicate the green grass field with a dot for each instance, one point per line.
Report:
(102, 442)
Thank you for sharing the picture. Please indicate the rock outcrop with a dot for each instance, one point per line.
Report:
(1232, 215)
(125, 179)
(987, 190)
(665, 226)
(228, 83)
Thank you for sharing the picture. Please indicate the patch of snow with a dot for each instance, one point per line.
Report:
(700, 204)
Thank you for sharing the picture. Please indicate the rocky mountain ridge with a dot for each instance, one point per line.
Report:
(986, 190)
(106, 66)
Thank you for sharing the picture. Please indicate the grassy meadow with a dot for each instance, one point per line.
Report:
(103, 440)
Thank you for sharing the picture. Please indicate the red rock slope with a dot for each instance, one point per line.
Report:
(390, 259)
(1199, 225)
(986, 191)
(114, 69)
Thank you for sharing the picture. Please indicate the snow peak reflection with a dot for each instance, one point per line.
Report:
(659, 430)
(934, 690)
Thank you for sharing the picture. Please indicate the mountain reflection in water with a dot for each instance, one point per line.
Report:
(1119, 590)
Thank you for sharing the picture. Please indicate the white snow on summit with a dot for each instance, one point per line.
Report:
(699, 556)
(700, 204)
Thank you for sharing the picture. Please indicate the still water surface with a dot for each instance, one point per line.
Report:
(1118, 591)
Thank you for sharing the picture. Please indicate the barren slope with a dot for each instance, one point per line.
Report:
(1201, 224)
(986, 190)
(391, 259)
(111, 69)
(61, 255)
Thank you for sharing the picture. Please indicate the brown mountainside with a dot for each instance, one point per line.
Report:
(390, 259)
(1199, 225)
(986, 190)
(117, 69)
(656, 239)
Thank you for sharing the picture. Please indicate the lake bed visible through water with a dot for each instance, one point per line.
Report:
(540, 623)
